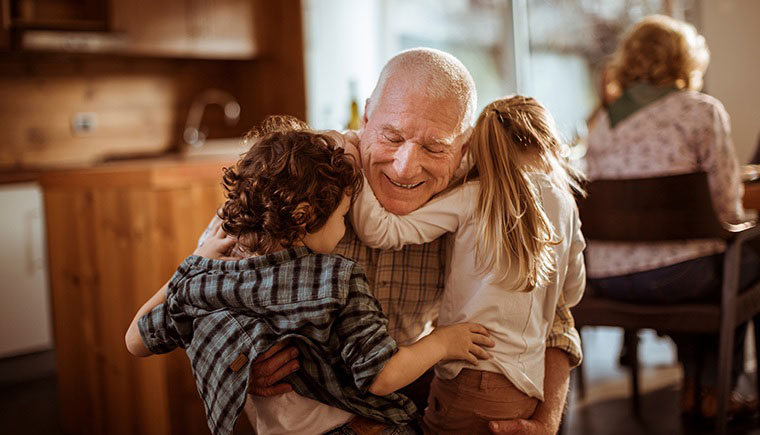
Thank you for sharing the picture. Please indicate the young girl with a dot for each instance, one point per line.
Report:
(287, 199)
(517, 250)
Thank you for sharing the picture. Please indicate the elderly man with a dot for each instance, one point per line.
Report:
(412, 140)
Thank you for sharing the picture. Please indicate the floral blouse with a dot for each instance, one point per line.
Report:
(683, 132)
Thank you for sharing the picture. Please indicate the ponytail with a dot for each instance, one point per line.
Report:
(515, 234)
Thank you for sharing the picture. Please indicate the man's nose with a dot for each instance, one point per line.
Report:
(406, 161)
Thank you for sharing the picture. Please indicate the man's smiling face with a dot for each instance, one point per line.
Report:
(410, 147)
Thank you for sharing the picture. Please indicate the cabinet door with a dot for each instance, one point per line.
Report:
(220, 29)
(5, 24)
(155, 28)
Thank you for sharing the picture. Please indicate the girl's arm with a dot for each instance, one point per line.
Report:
(379, 228)
(463, 341)
(373, 358)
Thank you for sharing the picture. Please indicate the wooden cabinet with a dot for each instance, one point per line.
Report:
(212, 29)
(86, 15)
(5, 25)
(115, 235)
(187, 28)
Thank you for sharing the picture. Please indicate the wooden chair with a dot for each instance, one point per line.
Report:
(660, 209)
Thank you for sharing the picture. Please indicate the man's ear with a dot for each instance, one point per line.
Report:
(364, 116)
(466, 136)
(302, 213)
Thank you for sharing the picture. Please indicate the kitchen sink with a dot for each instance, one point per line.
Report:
(231, 147)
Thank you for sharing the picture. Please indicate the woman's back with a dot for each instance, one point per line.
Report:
(682, 132)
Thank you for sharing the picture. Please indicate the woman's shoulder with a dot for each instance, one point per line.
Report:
(699, 101)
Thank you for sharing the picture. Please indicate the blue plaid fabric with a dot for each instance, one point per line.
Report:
(226, 313)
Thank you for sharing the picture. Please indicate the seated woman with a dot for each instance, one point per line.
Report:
(662, 125)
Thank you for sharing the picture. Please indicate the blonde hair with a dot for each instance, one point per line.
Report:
(513, 137)
(661, 51)
(434, 73)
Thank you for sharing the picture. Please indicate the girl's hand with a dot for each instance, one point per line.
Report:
(218, 245)
(352, 145)
(347, 140)
(464, 341)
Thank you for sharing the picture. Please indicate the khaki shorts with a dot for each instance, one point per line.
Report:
(468, 402)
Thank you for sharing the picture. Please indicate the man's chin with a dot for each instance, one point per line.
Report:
(401, 206)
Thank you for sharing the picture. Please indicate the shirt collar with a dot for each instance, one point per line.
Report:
(636, 97)
(279, 257)
(272, 259)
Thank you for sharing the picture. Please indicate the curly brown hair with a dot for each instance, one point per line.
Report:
(662, 51)
(287, 165)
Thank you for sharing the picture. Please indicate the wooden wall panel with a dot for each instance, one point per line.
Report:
(140, 106)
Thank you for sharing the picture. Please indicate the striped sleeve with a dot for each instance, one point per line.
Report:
(156, 332)
(363, 331)
(159, 330)
(563, 334)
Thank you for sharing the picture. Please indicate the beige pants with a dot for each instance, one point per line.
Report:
(468, 402)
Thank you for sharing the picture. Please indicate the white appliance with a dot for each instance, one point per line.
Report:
(25, 321)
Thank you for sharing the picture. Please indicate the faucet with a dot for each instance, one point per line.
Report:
(193, 135)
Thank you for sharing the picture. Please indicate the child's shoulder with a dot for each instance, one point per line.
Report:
(337, 268)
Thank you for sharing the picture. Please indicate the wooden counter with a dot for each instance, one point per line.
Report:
(116, 233)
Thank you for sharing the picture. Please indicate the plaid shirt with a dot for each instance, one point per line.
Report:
(226, 313)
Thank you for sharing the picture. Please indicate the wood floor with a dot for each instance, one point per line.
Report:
(30, 406)
(607, 407)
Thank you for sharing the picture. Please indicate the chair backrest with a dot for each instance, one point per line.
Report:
(677, 207)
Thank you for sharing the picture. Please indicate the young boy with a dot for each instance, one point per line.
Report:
(286, 203)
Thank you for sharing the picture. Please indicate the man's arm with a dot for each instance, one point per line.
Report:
(548, 414)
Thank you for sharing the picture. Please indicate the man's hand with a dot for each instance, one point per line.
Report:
(548, 415)
(518, 427)
(270, 368)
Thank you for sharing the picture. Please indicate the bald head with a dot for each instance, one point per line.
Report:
(415, 125)
(435, 75)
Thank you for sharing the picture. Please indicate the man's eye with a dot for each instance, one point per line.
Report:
(394, 139)
(435, 150)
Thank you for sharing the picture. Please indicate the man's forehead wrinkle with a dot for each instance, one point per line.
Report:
(389, 128)
(419, 130)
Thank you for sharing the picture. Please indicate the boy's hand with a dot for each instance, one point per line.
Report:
(464, 341)
(218, 245)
